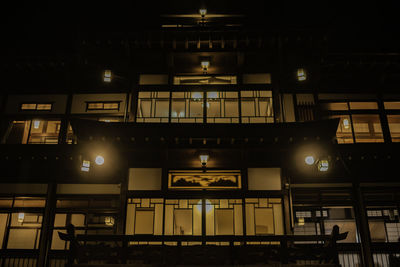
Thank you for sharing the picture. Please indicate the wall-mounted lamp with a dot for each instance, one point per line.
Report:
(301, 74)
(85, 165)
(99, 160)
(204, 159)
(109, 220)
(21, 217)
(107, 76)
(36, 124)
(323, 165)
(205, 64)
(309, 160)
(203, 12)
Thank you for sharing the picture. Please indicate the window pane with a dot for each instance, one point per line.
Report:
(367, 128)
(178, 108)
(363, 105)
(144, 222)
(196, 109)
(95, 106)
(28, 107)
(394, 127)
(248, 107)
(162, 108)
(183, 222)
(112, 106)
(392, 105)
(264, 221)
(335, 106)
(377, 230)
(224, 222)
(44, 106)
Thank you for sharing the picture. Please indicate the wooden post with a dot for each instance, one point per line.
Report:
(47, 225)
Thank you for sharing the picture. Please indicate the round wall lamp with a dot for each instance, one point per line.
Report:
(99, 160)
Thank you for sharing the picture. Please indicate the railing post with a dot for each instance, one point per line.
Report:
(124, 257)
(47, 224)
(284, 251)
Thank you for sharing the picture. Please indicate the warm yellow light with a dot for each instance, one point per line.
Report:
(21, 217)
(203, 11)
(107, 75)
(309, 160)
(99, 160)
(301, 74)
(109, 220)
(323, 165)
(205, 64)
(85, 166)
(36, 124)
(204, 159)
(209, 206)
(346, 124)
(300, 221)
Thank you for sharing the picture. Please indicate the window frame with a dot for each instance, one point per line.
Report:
(36, 106)
(103, 102)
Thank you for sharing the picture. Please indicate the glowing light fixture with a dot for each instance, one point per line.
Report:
(346, 124)
(85, 166)
(209, 206)
(205, 64)
(323, 165)
(21, 217)
(99, 160)
(36, 124)
(203, 11)
(301, 74)
(109, 220)
(309, 160)
(300, 221)
(107, 76)
(204, 159)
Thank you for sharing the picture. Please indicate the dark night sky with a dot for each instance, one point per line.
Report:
(58, 21)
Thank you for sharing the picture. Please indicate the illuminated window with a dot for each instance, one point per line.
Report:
(222, 107)
(102, 105)
(264, 216)
(367, 128)
(356, 124)
(187, 107)
(394, 127)
(34, 132)
(153, 107)
(37, 106)
(256, 107)
(392, 105)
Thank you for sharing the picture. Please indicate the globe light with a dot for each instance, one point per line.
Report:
(99, 160)
(309, 160)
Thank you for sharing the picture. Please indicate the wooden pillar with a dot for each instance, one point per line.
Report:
(47, 226)
(362, 225)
